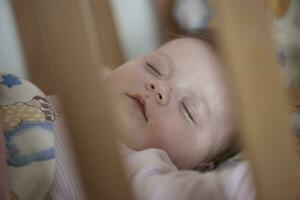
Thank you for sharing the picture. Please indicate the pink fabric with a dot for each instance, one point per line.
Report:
(4, 194)
(67, 183)
(153, 176)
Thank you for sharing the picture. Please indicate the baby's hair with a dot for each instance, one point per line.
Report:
(229, 151)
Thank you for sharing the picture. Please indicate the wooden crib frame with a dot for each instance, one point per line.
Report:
(67, 40)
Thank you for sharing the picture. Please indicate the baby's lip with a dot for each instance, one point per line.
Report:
(140, 102)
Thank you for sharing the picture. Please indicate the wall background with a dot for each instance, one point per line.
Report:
(137, 25)
(11, 56)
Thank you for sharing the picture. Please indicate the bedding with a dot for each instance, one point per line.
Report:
(3, 167)
(67, 184)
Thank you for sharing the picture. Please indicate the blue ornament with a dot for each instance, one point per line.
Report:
(10, 80)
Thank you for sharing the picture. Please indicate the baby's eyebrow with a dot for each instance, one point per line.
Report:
(168, 62)
(167, 57)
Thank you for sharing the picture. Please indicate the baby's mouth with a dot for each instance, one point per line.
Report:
(140, 102)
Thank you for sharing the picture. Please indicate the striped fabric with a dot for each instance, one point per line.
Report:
(3, 168)
(67, 183)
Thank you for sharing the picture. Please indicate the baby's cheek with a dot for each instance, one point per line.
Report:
(177, 140)
(158, 133)
(168, 136)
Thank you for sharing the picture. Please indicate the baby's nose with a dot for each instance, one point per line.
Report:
(160, 89)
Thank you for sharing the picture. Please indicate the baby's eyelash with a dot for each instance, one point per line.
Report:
(153, 69)
(188, 112)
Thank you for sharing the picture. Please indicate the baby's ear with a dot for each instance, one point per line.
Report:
(204, 167)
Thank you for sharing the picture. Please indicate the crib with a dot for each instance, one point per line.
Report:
(74, 37)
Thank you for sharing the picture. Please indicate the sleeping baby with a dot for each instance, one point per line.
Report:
(176, 127)
(175, 117)
(174, 99)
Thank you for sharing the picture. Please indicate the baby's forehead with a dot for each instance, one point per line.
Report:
(187, 44)
(187, 53)
(193, 49)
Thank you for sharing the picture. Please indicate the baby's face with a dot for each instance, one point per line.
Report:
(173, 99)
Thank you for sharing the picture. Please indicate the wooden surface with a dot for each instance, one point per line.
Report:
(278, 7)
(36, 55)
(294, 98)
(252, 67)
(170, 29)
(4, 188)
(106, 30)
(72, 42)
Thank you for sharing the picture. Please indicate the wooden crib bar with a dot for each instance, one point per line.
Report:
(71, 38)
(250, 52)
(35, 50)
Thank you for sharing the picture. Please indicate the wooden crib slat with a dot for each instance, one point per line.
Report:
(107, 32)
(35, 51)
(278, 7)
(170, 29)
(248, 47)
(4, 189)
(72, 43)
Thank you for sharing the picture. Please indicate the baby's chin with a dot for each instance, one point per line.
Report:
(132, 141)
(128, 133)
(134, 137)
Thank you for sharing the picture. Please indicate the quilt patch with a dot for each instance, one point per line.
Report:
(26, 143)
